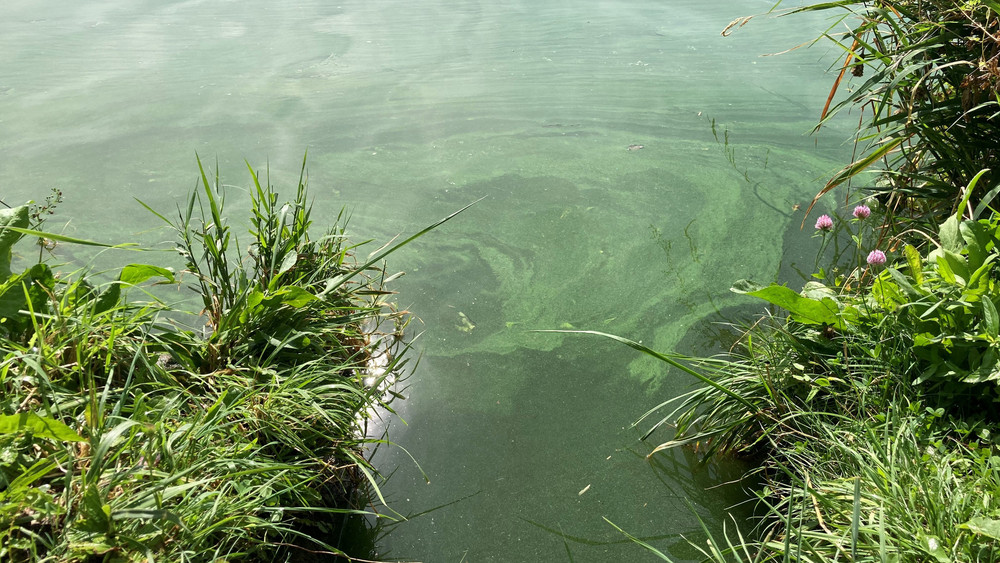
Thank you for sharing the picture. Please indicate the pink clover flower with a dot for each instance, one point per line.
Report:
(876, 257)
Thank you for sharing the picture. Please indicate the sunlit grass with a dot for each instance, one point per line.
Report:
(240, 436)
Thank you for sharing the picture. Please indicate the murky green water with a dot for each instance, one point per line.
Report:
(410, 110)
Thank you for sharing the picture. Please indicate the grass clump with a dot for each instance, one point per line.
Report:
(239, 436)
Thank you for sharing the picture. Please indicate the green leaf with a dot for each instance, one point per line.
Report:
(950, 234)
(39, 426)
(96, 514)
(986, 370)
(295, 296)
(932, 546)
(979, 282)
(252, 302)
(856, 168)
(904, 283)
(968, 192)
(914, 261)
(991, 322)
(34, 284)
(23, 481)
(288, 262)
(16, 217)
(955, 264)
(976, 237)
(803, 309)
(386, 250)
(108, 299)
(43, 276)
(138, 273)
(91, 548)
(983, 526)
(674, 360)
(147, 514)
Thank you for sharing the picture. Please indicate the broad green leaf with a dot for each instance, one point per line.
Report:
(16, 217)
(42, 275)
(979, 282)
(817, 290)
(932, 546)
(983, 526)
(976, 237)
(138, 273)
(956, 263)
(943, 267)
(295, 296)
(987, 370)
(34, 284)
(950, 235)
(252, 303)
(803, 309)
(108, 299)
(254, 298)
(39, 426)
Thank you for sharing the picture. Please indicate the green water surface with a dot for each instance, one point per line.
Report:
(410, 110)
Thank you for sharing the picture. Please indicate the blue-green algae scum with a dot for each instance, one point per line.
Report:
(610, 204)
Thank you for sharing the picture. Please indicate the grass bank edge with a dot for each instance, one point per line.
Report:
(126, 437)
(873, 393)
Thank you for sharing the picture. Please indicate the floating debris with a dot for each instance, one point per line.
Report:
(635, 147)
(466, 325)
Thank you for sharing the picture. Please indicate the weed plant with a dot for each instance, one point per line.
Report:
(241, 437)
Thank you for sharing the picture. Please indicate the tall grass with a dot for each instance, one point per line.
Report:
(239, 437)
(924, 74)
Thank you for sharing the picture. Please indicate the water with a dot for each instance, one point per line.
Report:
(410, 110)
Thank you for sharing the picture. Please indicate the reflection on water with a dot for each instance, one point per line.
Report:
(410, 110)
